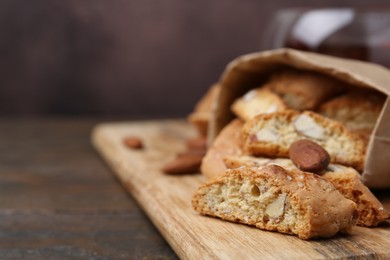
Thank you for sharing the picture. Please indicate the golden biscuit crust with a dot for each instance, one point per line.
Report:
(358, 110)
(274, 199)
(346, 180)
(228, 142)
(257, 101)
(304, 90)
(272, 134)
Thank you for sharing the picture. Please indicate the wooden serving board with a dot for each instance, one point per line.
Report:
(167, 201)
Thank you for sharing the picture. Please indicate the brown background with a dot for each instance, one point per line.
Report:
(124, 58)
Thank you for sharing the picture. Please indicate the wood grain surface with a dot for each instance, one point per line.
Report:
(167, 201)
(58, 199)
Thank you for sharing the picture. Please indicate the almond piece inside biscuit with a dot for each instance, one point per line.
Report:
(307, 126)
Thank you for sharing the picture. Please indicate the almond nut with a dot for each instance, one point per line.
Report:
(276, 208)
(249, 95)
(267, 135)
(309, 156)
(184, 164)
(199, 143)
(306, 126)
(191, 152)
(133, 142)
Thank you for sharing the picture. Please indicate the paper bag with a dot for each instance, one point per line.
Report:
(252, 70)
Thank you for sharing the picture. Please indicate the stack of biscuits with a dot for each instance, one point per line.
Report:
(256, 178)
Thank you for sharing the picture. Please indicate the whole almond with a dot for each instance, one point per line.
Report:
(133, 142)
(309, 156)
(184, 164)
(192, 152)
(198, 143)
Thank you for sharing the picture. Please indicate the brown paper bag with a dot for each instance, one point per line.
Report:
(251, 70)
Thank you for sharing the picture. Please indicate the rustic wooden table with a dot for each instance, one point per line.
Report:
(58, 200)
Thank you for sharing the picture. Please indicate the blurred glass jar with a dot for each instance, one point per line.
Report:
(344, 32)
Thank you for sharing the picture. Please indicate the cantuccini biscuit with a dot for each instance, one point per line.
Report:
(303, 90)
(347, 181)
(358, 110)
(226, 143)
(370, 210)
(274, 199)
(257, 101)
(272, 134)
(200, 117)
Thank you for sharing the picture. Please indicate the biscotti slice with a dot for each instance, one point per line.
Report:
(370, 210)
(228, 142)
(271, 135)
(272, 198)
(257, 101)
(237, 161)
(201, 115)
(358, 110)
(304, 90)
(347, 181)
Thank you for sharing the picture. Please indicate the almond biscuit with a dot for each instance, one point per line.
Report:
(226, 143)
(346, 180)
(257, 101)
(303, 90)
(274, 199)
(358, 110)
(271, 135)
